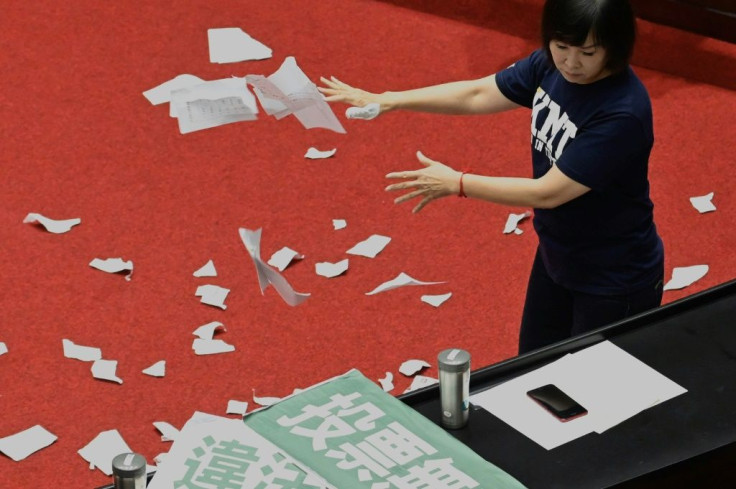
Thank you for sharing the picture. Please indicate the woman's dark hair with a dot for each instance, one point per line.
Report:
(610, 22)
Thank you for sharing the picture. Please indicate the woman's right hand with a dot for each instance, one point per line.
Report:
(337, 91)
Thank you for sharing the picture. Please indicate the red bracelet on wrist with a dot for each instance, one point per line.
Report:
(461, 192)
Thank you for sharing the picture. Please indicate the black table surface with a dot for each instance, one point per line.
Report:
(687, 441)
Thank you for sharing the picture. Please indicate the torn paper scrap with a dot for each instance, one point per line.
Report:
(211, 347)
(79, 352)
(339, 224)
(113, 265)
(366, 112)
(370, 247)
(207, 331)
(267, 275)
(105, 370)
(513, 221)
(419, 382)
(315, 154)
(684, 276)
(232, 44)
(329, 270)
(52, 225)
(236, 407)
(3, 348)
(265, 401)
(436, 300)
(212, 295)
(289, 91)
(401, 280)
(158, 369)
(282, 258)
(207, 270)
(26, 442)
(102, 449)
(410, 367)
(213, 103)
(704, 203)
(168, 432)
(387, 383)
(162, 93)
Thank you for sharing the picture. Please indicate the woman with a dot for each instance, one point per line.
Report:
(599, 258)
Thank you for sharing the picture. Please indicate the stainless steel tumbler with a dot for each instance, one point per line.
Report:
(454, 368)
(129, 471)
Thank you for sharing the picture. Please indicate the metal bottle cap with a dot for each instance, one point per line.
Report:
(129, 465)
(454, 360)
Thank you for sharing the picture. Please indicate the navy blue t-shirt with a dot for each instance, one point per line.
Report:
(600, 135)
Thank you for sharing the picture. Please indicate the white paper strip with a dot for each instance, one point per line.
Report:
(387, 383)
(267, 275)
(419, 382)
(315, 154)
(339, 224)
(51, 225)
(400, 281)
(411, 367)
(207, 331)
(513, 221)
(113, 265)
(330, 270)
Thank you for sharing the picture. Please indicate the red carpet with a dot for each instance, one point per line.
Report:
(80, 140)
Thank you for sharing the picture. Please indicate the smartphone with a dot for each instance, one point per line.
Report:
(559, 404)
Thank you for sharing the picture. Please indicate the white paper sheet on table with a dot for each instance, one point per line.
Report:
(512, 223)
(113, 265)
(421, 381)
(168, 432)
(401, 280)
(236, 407)
(282, 258)
(610, 383)
(232, 44)
(436, 300)
(105, 370)
(267, 275)
(212, 295)
(206, 270)
(193, 451)
(339, 224)
(161, 94)
(684, 276)
(315, 154)
(387, 382)
(22, 444)
(703, 203)
(105, 447)
(3, 348)
(370, 247)
(213, 103)
(158, 369)
(330, 270)
(289, 91)
(411, 367)
(79, 352)
(52, 225)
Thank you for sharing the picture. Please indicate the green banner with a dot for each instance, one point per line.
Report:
(355, 436)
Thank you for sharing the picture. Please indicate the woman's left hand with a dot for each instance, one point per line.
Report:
(434, 181)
